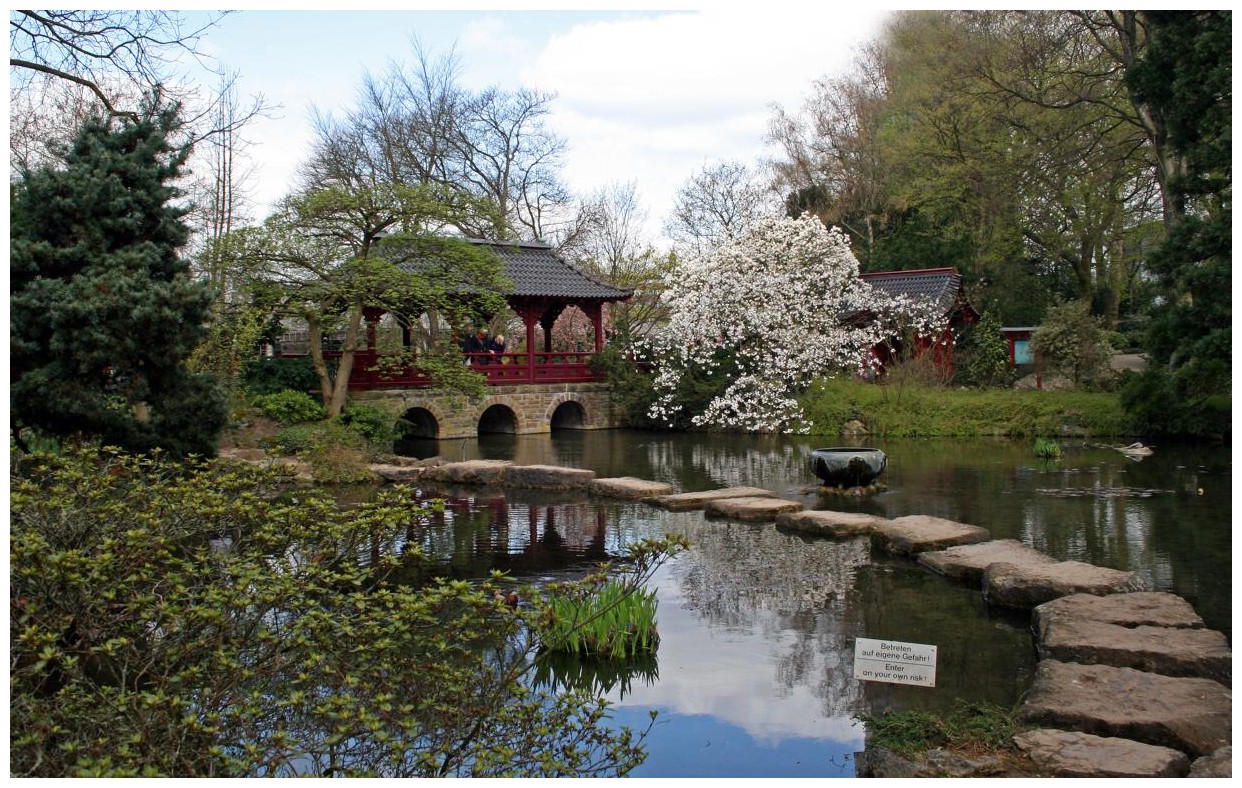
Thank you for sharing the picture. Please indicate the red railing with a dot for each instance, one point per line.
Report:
(499, 370)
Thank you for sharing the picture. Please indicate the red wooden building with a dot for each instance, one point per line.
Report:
(942, 286)
(544, 286)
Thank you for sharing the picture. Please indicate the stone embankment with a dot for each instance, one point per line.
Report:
(1129, 684)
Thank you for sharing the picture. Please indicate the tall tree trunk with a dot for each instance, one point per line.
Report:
(340, 389)
(314, 341)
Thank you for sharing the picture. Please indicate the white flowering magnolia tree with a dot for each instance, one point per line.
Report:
(777, 307)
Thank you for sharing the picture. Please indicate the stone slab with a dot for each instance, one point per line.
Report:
(919, 533)
(1074, 754)
(1171, 651)
(750, 508)
(396, 473)
(629, 488)
(825, 523)
(968, 562)
(1192, 715)
(1025, 586)
(469, 472)
(697, 500)
(1219, 764)
(547, 477)
(1138, 609)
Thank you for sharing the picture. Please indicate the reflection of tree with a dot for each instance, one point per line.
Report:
(746, 577)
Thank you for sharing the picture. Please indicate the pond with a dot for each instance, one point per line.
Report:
(754, 671)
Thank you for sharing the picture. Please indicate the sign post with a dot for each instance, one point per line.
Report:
(895, 662)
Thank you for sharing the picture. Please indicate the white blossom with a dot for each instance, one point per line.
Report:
(786, 299)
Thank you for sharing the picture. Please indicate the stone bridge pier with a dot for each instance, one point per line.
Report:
(519, 409)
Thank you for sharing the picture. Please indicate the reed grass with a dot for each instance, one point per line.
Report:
(610, 620)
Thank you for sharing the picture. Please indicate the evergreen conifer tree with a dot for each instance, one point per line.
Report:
(103, 311)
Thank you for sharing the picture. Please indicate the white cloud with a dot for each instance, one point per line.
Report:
(654, 98)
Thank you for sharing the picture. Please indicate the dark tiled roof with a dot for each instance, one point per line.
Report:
(941, 285)
(538, 272)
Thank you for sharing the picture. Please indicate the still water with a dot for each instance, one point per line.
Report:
(754, 671)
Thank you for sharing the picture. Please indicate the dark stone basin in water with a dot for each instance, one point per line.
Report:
(848, 466)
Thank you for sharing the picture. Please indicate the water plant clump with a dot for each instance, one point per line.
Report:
(1047, 449)
(606, 619)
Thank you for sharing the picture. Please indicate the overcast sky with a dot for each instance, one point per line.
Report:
(643, 96)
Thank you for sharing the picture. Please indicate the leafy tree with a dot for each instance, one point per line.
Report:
(185, 620)
(103, 312)
(987, 354)
(776, 308)
(329, 255)
(1071, 342)
(1184, 80)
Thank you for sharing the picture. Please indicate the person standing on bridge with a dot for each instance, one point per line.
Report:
(496, 346)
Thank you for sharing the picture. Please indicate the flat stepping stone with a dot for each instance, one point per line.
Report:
(825, 523)
(469, 472)
(547, 477)
(1171, 651)
(629, 488)
(1192, 715)
(396, 473)
(1073, 754)
(919, 533)
(1141, 608)
(1218, 764)
(1025, 586)
(697, 500)
(750, 508)
(968, 562)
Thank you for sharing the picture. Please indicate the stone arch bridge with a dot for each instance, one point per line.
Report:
(423, 413)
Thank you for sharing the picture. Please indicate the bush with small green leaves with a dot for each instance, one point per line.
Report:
(374, 424)
(290, 407)
(190, 620)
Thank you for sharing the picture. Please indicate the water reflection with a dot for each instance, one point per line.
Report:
(754, 670)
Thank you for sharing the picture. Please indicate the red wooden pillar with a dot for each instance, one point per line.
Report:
(372, 315)
(530, 317)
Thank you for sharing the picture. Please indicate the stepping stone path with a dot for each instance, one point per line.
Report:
(1027, 585)
(1170, 651)
(629, 488)
(548, 477)
(1130, 683)
(697, 500)
(834, 524)
(1188, 714)
(919, 533)
(1073, 754)
(750, 509)
(968, 562)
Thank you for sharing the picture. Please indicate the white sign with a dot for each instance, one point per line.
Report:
(894, 662)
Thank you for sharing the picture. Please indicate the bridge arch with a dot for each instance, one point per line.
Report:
(498, 418)
(418, 422)
(568, 415)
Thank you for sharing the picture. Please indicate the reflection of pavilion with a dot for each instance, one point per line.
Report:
(519, 537)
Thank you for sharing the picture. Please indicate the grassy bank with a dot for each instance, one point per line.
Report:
(910, 410)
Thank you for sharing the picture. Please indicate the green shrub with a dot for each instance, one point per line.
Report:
(967, 726)
(290, 407)
(261, 376)
(374, 424)
(336, 454)
(183, 620)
